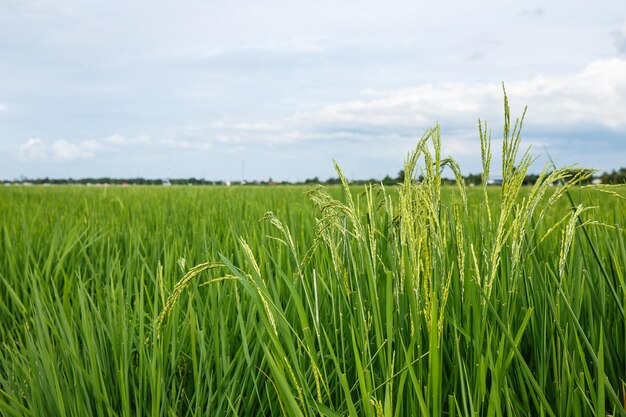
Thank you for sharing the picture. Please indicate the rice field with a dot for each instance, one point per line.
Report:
(409, 300)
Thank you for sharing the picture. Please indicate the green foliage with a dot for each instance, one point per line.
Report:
(418, 299)
(614, 177)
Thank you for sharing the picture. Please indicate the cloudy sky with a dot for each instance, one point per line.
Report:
(279, 88)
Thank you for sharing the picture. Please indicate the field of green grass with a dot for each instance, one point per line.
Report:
(399, 301)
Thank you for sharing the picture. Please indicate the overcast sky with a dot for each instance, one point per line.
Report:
(280, 88)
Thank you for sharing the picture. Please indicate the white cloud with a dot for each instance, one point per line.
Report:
(64, 150)
(388, 123)
(115, 139)
(3, 107)
(32, 150)
(596, 96)
(234, 133)
(420, 105)
(593, 99)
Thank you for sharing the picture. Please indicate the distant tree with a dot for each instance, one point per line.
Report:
(473, 179)
(530, 179)
(614, 177)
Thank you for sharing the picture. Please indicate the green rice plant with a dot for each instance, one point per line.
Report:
(389, 268)
(416, 299)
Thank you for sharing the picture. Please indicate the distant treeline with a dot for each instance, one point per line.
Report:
(116, 181)
(613, 177)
